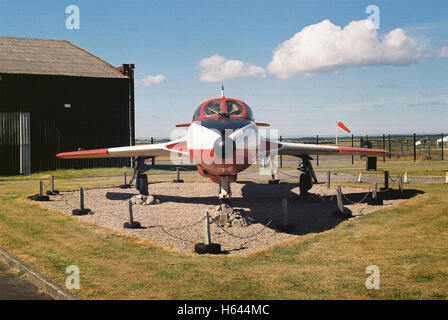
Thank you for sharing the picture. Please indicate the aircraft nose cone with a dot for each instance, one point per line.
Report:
(224, 147)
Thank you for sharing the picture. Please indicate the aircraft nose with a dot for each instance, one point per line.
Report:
(224, 147)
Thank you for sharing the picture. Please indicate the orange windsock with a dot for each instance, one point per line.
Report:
(342, 126)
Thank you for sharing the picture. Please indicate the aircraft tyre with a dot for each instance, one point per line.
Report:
(143, 185)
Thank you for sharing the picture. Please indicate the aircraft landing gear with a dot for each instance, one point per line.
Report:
(141, 179)
(308, 177)
(226, 215)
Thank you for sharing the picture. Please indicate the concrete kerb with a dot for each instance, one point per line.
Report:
(47, 285)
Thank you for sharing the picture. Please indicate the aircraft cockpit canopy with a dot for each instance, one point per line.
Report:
(223, 107)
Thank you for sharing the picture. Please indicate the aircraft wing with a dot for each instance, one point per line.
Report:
(299, 149)
(178, 146)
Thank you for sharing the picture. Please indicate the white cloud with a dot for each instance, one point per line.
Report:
(325, 47)
(151, 80)
(217, 68)
(444, 52)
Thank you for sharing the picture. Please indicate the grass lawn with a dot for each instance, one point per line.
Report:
(409, 244)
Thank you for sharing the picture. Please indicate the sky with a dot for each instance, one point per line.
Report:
(301, 65)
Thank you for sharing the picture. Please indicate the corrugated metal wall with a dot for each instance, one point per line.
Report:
(9, 143)
(98, 118)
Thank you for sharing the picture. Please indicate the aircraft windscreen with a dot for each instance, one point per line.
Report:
(233, 108)
(212, 108)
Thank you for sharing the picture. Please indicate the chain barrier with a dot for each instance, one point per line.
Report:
(353, 202)
(289, 175)
(242, 237)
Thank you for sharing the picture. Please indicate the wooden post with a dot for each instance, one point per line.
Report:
(52, 184)
(328, 179)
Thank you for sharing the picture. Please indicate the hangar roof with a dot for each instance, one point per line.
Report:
(51, 57)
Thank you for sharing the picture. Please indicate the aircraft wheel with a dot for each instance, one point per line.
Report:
(212, 248)
(144, 185)
(305, 183)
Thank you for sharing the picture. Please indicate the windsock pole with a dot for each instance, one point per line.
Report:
(336, 133)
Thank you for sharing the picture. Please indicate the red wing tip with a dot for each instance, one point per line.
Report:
(83, 154)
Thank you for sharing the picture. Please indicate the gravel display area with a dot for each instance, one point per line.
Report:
(177, 221)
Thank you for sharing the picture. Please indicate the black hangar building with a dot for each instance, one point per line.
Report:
(56, 97)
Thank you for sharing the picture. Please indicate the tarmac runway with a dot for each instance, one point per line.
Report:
(13, 287)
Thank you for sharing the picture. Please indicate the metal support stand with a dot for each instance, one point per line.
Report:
(40, 196)
(178, 179)
(81, 211)
(386, 180)
(52, 191)
(376, 199)
(208, 246)
(125, 185)
(341, 211)
(400, 183)
(131, 224)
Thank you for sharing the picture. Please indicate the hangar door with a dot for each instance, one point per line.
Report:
(15, 143)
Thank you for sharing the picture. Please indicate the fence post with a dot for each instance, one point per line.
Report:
(384, 147)
(442, 145)
(317, 156)
(353, 157)
(415, 150)
(390, 148)
(281, 157)
(328, 179)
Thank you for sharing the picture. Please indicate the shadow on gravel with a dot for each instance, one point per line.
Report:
(262, 203)
(119, 196)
